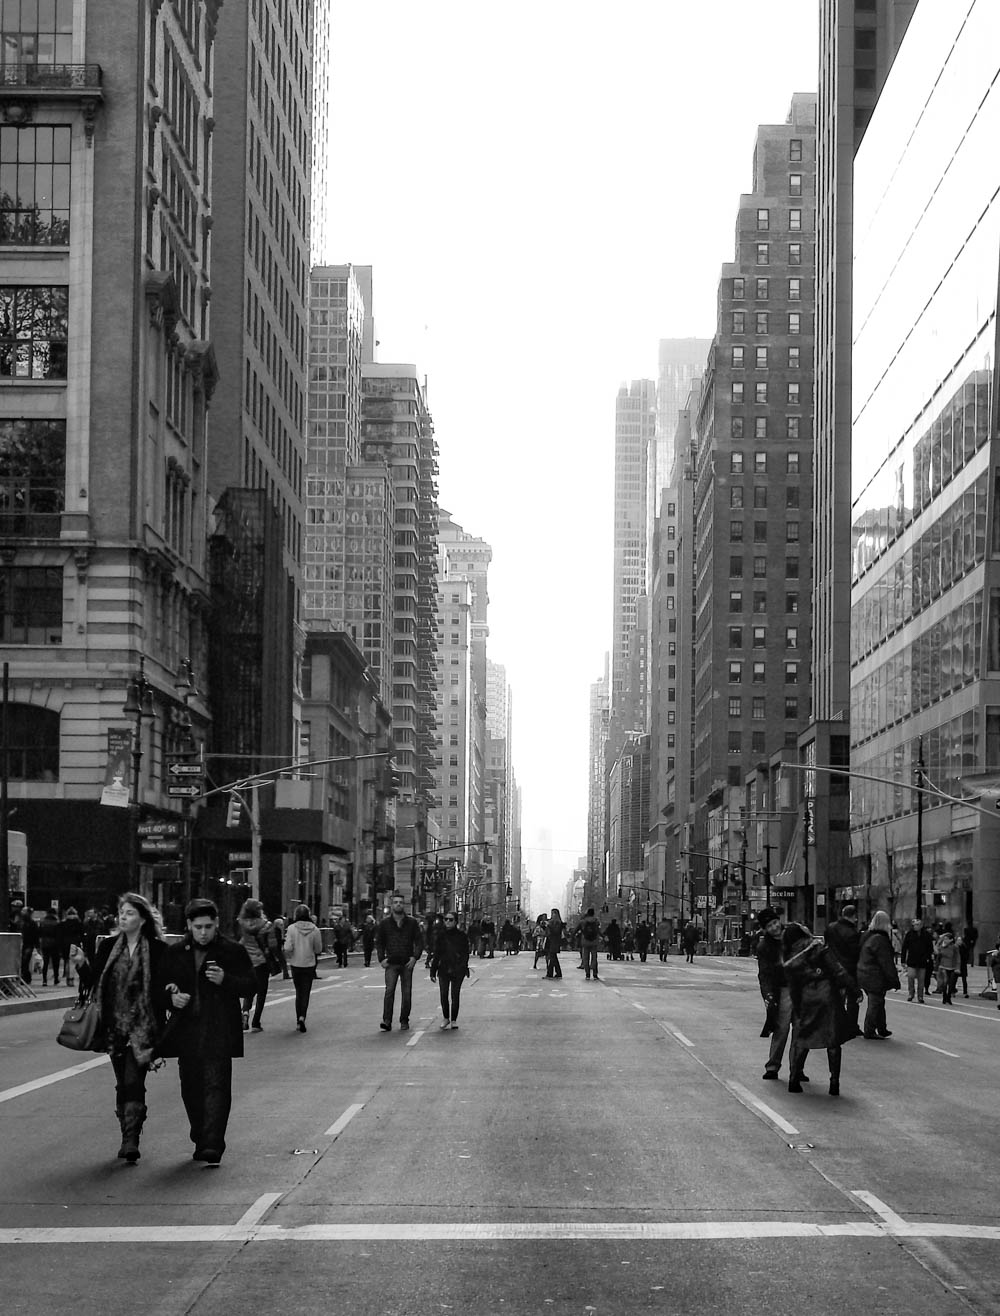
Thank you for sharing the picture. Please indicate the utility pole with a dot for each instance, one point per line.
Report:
(920, 827)
(4, 775)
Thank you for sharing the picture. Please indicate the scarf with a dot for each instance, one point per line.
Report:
(126, 996)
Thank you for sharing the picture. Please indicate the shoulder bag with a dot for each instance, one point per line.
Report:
(81, 1027)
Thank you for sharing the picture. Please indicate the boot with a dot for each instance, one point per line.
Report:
(120, 1112)
(133, 1118)
(834, 1055)
(796, 1065)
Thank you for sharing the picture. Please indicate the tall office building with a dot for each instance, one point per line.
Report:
(598, 722)
(321, 211)
(108, 369)
(260, 289)
(635, 430)
(925, 608)
(681, 360)
(753, 492)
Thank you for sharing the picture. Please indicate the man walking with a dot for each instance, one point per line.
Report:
(773, 988)
(399, 944)
(207, 974)
(844, 939)
(590, 940)
(917, 956)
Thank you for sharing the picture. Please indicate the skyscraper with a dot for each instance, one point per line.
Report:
(635, 430)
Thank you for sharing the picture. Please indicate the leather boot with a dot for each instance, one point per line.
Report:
(834, 1055)
(796, 1064)
(120, 1112)
(133, 1118)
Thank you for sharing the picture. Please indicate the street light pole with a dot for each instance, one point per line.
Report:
(138, 705)
(920, 828)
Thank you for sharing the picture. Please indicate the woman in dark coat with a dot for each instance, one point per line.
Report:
(817, 982)
(128, 974)
(553, 944)
(877, 973)
(449, 965)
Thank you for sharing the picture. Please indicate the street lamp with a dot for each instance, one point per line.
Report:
(138, 705)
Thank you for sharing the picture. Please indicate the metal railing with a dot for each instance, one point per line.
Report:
(59, 77)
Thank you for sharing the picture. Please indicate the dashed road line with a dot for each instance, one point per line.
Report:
(339, 1125)
(762, 1108)
(939, 1050)
(416, 1037)
(24, 1088)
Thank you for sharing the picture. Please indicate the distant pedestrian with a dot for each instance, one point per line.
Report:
(48, 944)
(343, 939)
(256, 936)
(507, 937)
(553, 944)
(449, 966)
(664, 931)
(303, 943)
(613, 933)
(280, 928)
(590, 940)
(947, 955)
(844, 939)
(877, 975)
(643, 935)
(70, 935)
(28, 929)
(817, 984)
(207, 974)
(488, 929)
(538, 937)
(690, 938)
(368, 938)
(399, 943)
(896, 937)
(475, 935)
(966, 950)
(917, 954)
(774, 989)
(126, 977)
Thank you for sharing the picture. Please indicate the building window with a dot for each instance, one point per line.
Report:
(735, 672)
(794, 184)
(760, 495)
(736, 566)
(792, 532)
(760, 568)
(32, 477)
(760, 532)
(794, 290)
(760, 393)
(758, 708)
(760, 463)
(735, 706)
(792, 458)
(791, 568)
(735, 463)
(758, 675)
(34, 185)
(735, 742)
(737, 393)
(736, 637)
(760, 358)
(763, 253)
(33, 740)
(795, 221)
(795, 149)
(37, 33)
(792, 496)
(758, 742)
(795, 253)
(791, 706)
(736, 532)
(739, 289)
(737, 358)
(793, 358)
(739, 322)
(31, 601)
(791, 673)
(760, 320)
(791, 637)
(759, 637)
(760, 427)
(33, 326)
(735, 600)
(792, 602)
(762, 288)
(763, 221)
(736, 427)
(794, 322)
(736, 495)
(760, 600)
(794, 392)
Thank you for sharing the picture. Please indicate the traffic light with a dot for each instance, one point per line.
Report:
(234, 810)
(392, 779)
(486, 854)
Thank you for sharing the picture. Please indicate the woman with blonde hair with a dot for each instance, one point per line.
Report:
(877, 974)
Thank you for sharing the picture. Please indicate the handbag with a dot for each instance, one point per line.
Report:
(271, 957)
(81, 1027)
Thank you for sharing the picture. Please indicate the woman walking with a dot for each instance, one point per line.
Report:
(817, 982)
(303, 943)
(553, 945)
(948, 961)
(877, 974)
(256, 936)
(449, 965)
(127, 974)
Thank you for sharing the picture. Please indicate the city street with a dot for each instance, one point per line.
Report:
(574, 1147)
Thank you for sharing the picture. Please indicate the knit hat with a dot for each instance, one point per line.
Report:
(849, 911)
(767, 915)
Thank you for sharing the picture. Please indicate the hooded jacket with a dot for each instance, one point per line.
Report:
(303, 944)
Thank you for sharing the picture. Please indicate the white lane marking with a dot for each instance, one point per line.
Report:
(640, 1007)
(885, 1213)
(256, 1213)
(939, 1051)
(684, 1041)
(57, 1077)
(337, 1128)
(416, 1037)
(748, 1098)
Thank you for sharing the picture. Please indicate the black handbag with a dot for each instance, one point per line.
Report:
(81, 1027)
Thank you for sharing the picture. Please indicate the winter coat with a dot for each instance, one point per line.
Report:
(876, 967)
(590, 930)
(451, 954)
(946, 949)
(770, 974)
(211, 1023)
(918, 949)
(255, 935)
(303, 943)
(398, 943)
(70, 933)
(642, 936)
(844, 940)
(817, 982)
(48, 933)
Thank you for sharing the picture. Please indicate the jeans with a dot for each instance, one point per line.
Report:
(915, 976)
(780, 1035)
(260, 972)
(130, 1077)
(451, 990)
(403, 974)
(50, 960)
(875, 1022)
(590, 958)
(303, 980)
(552, 967)
(207, 1093)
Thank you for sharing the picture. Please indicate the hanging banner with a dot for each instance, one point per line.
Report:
(117, 774)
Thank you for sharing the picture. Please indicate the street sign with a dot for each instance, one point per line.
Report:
(184, 769)
(161, 845)
(189, 792)
(159, 827)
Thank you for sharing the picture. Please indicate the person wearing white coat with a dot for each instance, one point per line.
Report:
(303, 943)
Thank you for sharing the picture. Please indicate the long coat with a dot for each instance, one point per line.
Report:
(211, 1022)
(876, 966)
(816, 981)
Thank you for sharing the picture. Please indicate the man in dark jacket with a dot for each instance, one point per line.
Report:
(207, 974)
(773, 988)
(917, 956)
(844, 939)
(399, 944)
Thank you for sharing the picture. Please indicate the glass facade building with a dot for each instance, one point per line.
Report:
(925, 614)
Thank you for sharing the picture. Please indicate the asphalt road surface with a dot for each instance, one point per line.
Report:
(574, 1147)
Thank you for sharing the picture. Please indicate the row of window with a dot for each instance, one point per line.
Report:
(758, 673)
(762, 290)
(760, 500)
(759, 598)
(33, 331)
(762, 325)
(792, 463)
(34, 185)
(758, 707)
(762, 430)
(762, 253)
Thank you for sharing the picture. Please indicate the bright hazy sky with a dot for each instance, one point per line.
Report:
(545, 188)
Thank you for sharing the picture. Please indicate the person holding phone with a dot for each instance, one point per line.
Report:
(207, 974)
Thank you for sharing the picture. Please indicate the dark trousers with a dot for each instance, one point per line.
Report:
(340, 950)
(552, 969)
(403, 974)
(875, 1021)
(260, 972)
(130, 1077)
(451, 990)
(207, 1093)
(303, 980)
(50, 960)
(26, 953)
(590, 958)
(368, 952)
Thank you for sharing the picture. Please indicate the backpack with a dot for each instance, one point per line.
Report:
(267, 940)
(591, 929)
